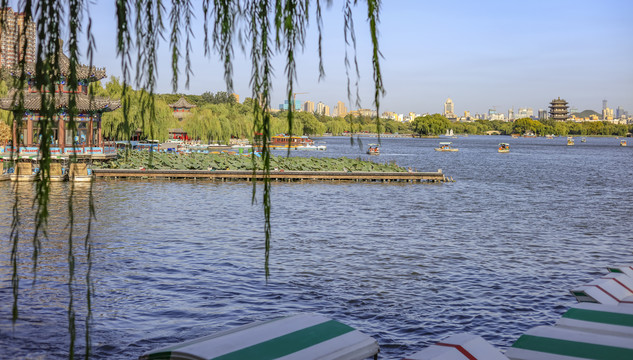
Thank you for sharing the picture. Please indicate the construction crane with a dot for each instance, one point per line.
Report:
(294, 95)
(294, 99)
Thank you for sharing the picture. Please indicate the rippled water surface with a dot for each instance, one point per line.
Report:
(493, 253)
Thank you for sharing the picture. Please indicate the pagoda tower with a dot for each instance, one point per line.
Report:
(88, 141)
(558, 110)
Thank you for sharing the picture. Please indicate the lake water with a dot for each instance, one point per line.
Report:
(494, 253)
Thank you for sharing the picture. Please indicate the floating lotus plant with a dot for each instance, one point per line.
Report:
(223, 161)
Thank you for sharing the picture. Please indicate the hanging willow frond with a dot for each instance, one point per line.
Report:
(269, 27)
(180, 18)
(373, 16)
(224, 14)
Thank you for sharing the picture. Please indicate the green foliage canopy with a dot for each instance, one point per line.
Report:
(435, 124)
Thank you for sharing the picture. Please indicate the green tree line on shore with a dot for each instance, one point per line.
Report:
(436, 124)
(219, 117)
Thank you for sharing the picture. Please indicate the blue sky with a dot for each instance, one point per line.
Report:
(481, 54)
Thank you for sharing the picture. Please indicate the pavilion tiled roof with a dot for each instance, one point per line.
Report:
(33, 102)
(182, 103)
(84, 72)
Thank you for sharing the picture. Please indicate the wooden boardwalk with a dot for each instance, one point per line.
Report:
(289, 176)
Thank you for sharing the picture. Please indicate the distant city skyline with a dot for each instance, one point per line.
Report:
(618, 114)
(483, 55)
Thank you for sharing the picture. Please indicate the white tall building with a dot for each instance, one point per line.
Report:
(320, 108)
(449, 109)
(525, 113)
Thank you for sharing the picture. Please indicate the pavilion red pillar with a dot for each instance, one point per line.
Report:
(61, 132)
(100, 134)
(15, 140)
(29, 131)
(90, 127)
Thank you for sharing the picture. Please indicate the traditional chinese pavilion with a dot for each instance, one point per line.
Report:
(88, 141)
(181, 108)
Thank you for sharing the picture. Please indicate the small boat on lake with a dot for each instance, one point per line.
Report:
(504, 148)
(79, 172)
(583, 140)
(622, 142)
(374, 149)
(24, 171)
(447, 147)
(549, 136)
(294, 143)
(57, 173)
(529, 134)
(319, 147)
(4, 175)
(570, 141)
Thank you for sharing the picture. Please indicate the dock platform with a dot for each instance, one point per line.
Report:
(281, 176)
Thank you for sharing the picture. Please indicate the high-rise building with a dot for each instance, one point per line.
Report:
(558, 110)
(340, 110)
(525, 113)
(511, 114)
(607, 114)
(542, 114)
(449, 109)
(286, 105)
(308, 106)
(389, 115)
(322, 109)
(604, 104)
(17, 38)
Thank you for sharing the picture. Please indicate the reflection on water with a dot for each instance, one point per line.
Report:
(492, 254)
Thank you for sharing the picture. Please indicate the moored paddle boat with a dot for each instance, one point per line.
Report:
(79, 172)
(57, 173)
(457, 347)
(570, 141)
(24, 171)
(300, 337)
(4, 174)
(558, 342)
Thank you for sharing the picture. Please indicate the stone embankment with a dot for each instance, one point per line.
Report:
(282, 176)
